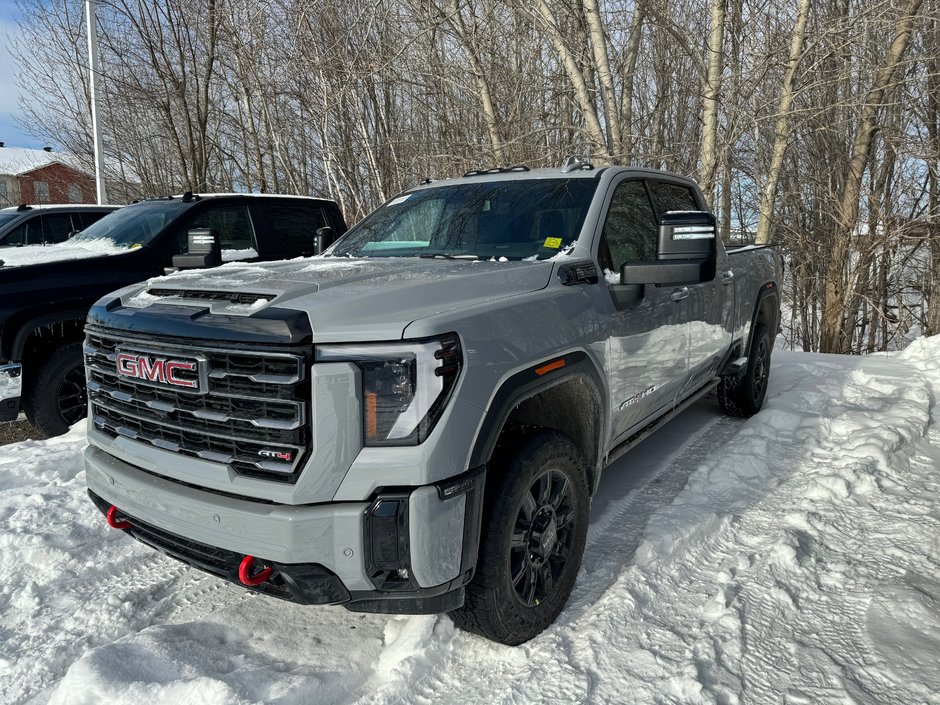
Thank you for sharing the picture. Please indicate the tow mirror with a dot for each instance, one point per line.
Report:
(686, 255)
(679, 271)
(686, 235)
(204, 250)
(325, 237)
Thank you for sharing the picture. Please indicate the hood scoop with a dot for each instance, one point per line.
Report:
(232, 297)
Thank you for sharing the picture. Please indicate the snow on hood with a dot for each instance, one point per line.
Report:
(352, 299)
(44, 254)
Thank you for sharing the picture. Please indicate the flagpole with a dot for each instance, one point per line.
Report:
(91, 22)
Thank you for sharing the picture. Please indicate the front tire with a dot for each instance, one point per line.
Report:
(56, 397)
(534, 529)
(744, 396)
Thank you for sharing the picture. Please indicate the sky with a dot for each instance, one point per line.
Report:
(10, 132)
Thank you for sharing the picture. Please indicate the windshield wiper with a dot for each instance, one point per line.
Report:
(443, 256)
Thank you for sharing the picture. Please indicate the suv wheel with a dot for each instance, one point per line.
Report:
(744, 396)
(534, 529)
(57, 397)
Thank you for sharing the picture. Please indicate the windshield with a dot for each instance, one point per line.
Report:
(134, 225)
(7, 217)
(530, 219)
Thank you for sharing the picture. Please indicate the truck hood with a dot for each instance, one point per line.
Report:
(346, 299)
(31, 255)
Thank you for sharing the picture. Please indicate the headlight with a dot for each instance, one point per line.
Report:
(405, 386)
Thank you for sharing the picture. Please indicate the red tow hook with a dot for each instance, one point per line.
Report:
(112, 519)
(244, 573)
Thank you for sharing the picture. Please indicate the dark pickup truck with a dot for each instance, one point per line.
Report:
(46, 291)
(416, 421)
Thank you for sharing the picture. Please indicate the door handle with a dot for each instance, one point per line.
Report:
(727, 277)
(680, 294)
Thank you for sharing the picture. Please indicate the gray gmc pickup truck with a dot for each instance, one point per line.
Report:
(415, 420)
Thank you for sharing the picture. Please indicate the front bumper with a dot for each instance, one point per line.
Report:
(11, 389)
(319, 554)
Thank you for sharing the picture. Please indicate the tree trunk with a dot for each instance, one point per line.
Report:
(834, 336)
(782, 130)
(709, 155)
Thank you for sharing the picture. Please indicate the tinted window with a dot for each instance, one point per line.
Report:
(8, 217)
(513, 219)
(232, 223)
(672, 197)
(55, 227)
(20, 235)
(293, 227)
(86, 218)
(135, 225)
(630, 232)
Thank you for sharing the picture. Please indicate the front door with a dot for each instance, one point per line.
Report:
(646, 342)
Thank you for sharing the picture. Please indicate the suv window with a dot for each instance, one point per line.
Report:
(55, 227)
(293, 227)
(232, 223)
(86, 218)
(23, 234)
(630, 232)
(672, 197)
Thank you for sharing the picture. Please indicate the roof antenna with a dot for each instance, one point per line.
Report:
(572, 163)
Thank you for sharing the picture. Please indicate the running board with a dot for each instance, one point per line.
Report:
(623, 448)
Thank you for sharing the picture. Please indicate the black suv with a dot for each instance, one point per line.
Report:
(47, 224)
(45, 295)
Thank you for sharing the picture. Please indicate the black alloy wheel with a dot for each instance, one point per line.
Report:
(542, 537)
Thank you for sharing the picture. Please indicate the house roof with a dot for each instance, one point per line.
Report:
(20, 160)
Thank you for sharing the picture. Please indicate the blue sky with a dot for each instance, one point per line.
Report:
(10, 132)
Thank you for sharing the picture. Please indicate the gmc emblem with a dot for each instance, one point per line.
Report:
(160, 370)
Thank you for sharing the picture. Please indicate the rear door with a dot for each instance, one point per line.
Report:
(710, 302)
(233, 224)
(290, 227)
(646, 348)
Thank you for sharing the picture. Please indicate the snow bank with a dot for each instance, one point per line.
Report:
(43, 254)
(791, 558)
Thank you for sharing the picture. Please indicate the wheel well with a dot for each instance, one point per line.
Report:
(44, 340)
(767, 312)
(570, 407)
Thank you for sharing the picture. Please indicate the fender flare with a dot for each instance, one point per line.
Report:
(767, 290)
(34, 324)
(526, 384)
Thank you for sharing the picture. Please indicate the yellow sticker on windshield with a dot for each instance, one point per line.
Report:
(552, 242)
(136, 245)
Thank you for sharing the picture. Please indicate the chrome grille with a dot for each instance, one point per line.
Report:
(253, 415)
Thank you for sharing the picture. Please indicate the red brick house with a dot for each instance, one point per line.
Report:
(42, 176)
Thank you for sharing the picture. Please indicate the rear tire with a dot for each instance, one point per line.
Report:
(534, 529)
(56, 397)
(745, 395)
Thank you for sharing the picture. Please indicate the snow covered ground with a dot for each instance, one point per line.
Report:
(792, 558)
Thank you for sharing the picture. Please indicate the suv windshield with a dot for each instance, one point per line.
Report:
(7, 217)
(134, 225)
(524, 219)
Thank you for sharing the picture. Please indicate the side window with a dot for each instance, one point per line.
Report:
(232, 223)
(292, 227)
(89, 217)
(630, 232)
(672, 197)
(56, 227)
(19, 236)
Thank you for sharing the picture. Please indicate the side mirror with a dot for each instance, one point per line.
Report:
(687, 252)
(204, 250)
(325, 237)
(678, 271)
(686, 235)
